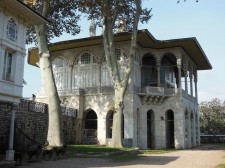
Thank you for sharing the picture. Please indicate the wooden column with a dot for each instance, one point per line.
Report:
(196, 81)
(191, 78)
(179, 71)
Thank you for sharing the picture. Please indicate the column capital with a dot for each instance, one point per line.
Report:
(179, 62)
(70, 64)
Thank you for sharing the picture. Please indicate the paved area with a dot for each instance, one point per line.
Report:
(201, 157)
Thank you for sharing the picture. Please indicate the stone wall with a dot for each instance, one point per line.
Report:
(212, 138)
(31, 125)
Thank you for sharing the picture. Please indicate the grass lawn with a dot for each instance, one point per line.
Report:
(221, 166)
(86, 149)
(162, 151)
(97, 149)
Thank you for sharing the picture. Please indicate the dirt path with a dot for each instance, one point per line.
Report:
(201, 157)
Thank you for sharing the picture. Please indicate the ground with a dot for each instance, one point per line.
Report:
(206, 156)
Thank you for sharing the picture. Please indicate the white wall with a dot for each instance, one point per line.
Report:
(12, 90)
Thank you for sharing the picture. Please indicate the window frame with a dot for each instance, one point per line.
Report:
(8, 66)
(11, 32)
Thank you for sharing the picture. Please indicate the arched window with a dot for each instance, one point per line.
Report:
(148, 71)
(85, 58)
(60, 70)
(85, 71)
(169, 71)
(118, 53)
(7, 69)
(11, 30)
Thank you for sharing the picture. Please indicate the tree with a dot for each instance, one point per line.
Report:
(62, 17)
(212, 116)
(126, 14)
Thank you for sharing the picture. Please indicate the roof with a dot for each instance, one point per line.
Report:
(25, 12)
(144, 38)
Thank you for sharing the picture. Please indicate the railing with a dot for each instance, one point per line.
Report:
(189, 97)
(79, 91)
(63, 92)
(160, 91)
(33, 106)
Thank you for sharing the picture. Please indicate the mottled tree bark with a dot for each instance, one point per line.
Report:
(120, 85)
(54, 137)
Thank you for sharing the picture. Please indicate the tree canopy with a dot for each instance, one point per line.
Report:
(212, 116)
(62, 15)
(116, 10)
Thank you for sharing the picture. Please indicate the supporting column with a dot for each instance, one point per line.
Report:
(191, 82)
(185, 66)
(99, 79)
(196, 86)
(179, 74)
(10, 152)
(70, 75)
(158, 72)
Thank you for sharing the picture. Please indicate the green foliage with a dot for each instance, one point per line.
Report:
(62, 16)
(212, 117)
(114, 10)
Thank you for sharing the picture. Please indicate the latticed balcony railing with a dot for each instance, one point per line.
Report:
(33, 106)
(80, 91)
(160, 91)
(146, 90)
(189, 97)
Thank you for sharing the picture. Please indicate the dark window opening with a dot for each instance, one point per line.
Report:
(91, 120)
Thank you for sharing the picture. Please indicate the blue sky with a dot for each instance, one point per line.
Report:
(204, 20)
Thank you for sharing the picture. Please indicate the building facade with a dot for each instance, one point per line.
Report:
(14, 19)
(161, 101)
(15, 16)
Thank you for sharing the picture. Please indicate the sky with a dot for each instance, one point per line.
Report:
(204, 20)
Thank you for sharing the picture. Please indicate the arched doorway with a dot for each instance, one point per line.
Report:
(170, 129)
(109, 124)
(186, 129)
(192, 129)
(90, 127)
(150, 129)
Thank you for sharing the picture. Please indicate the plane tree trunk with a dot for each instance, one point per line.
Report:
(55, 137)
(120, 84)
